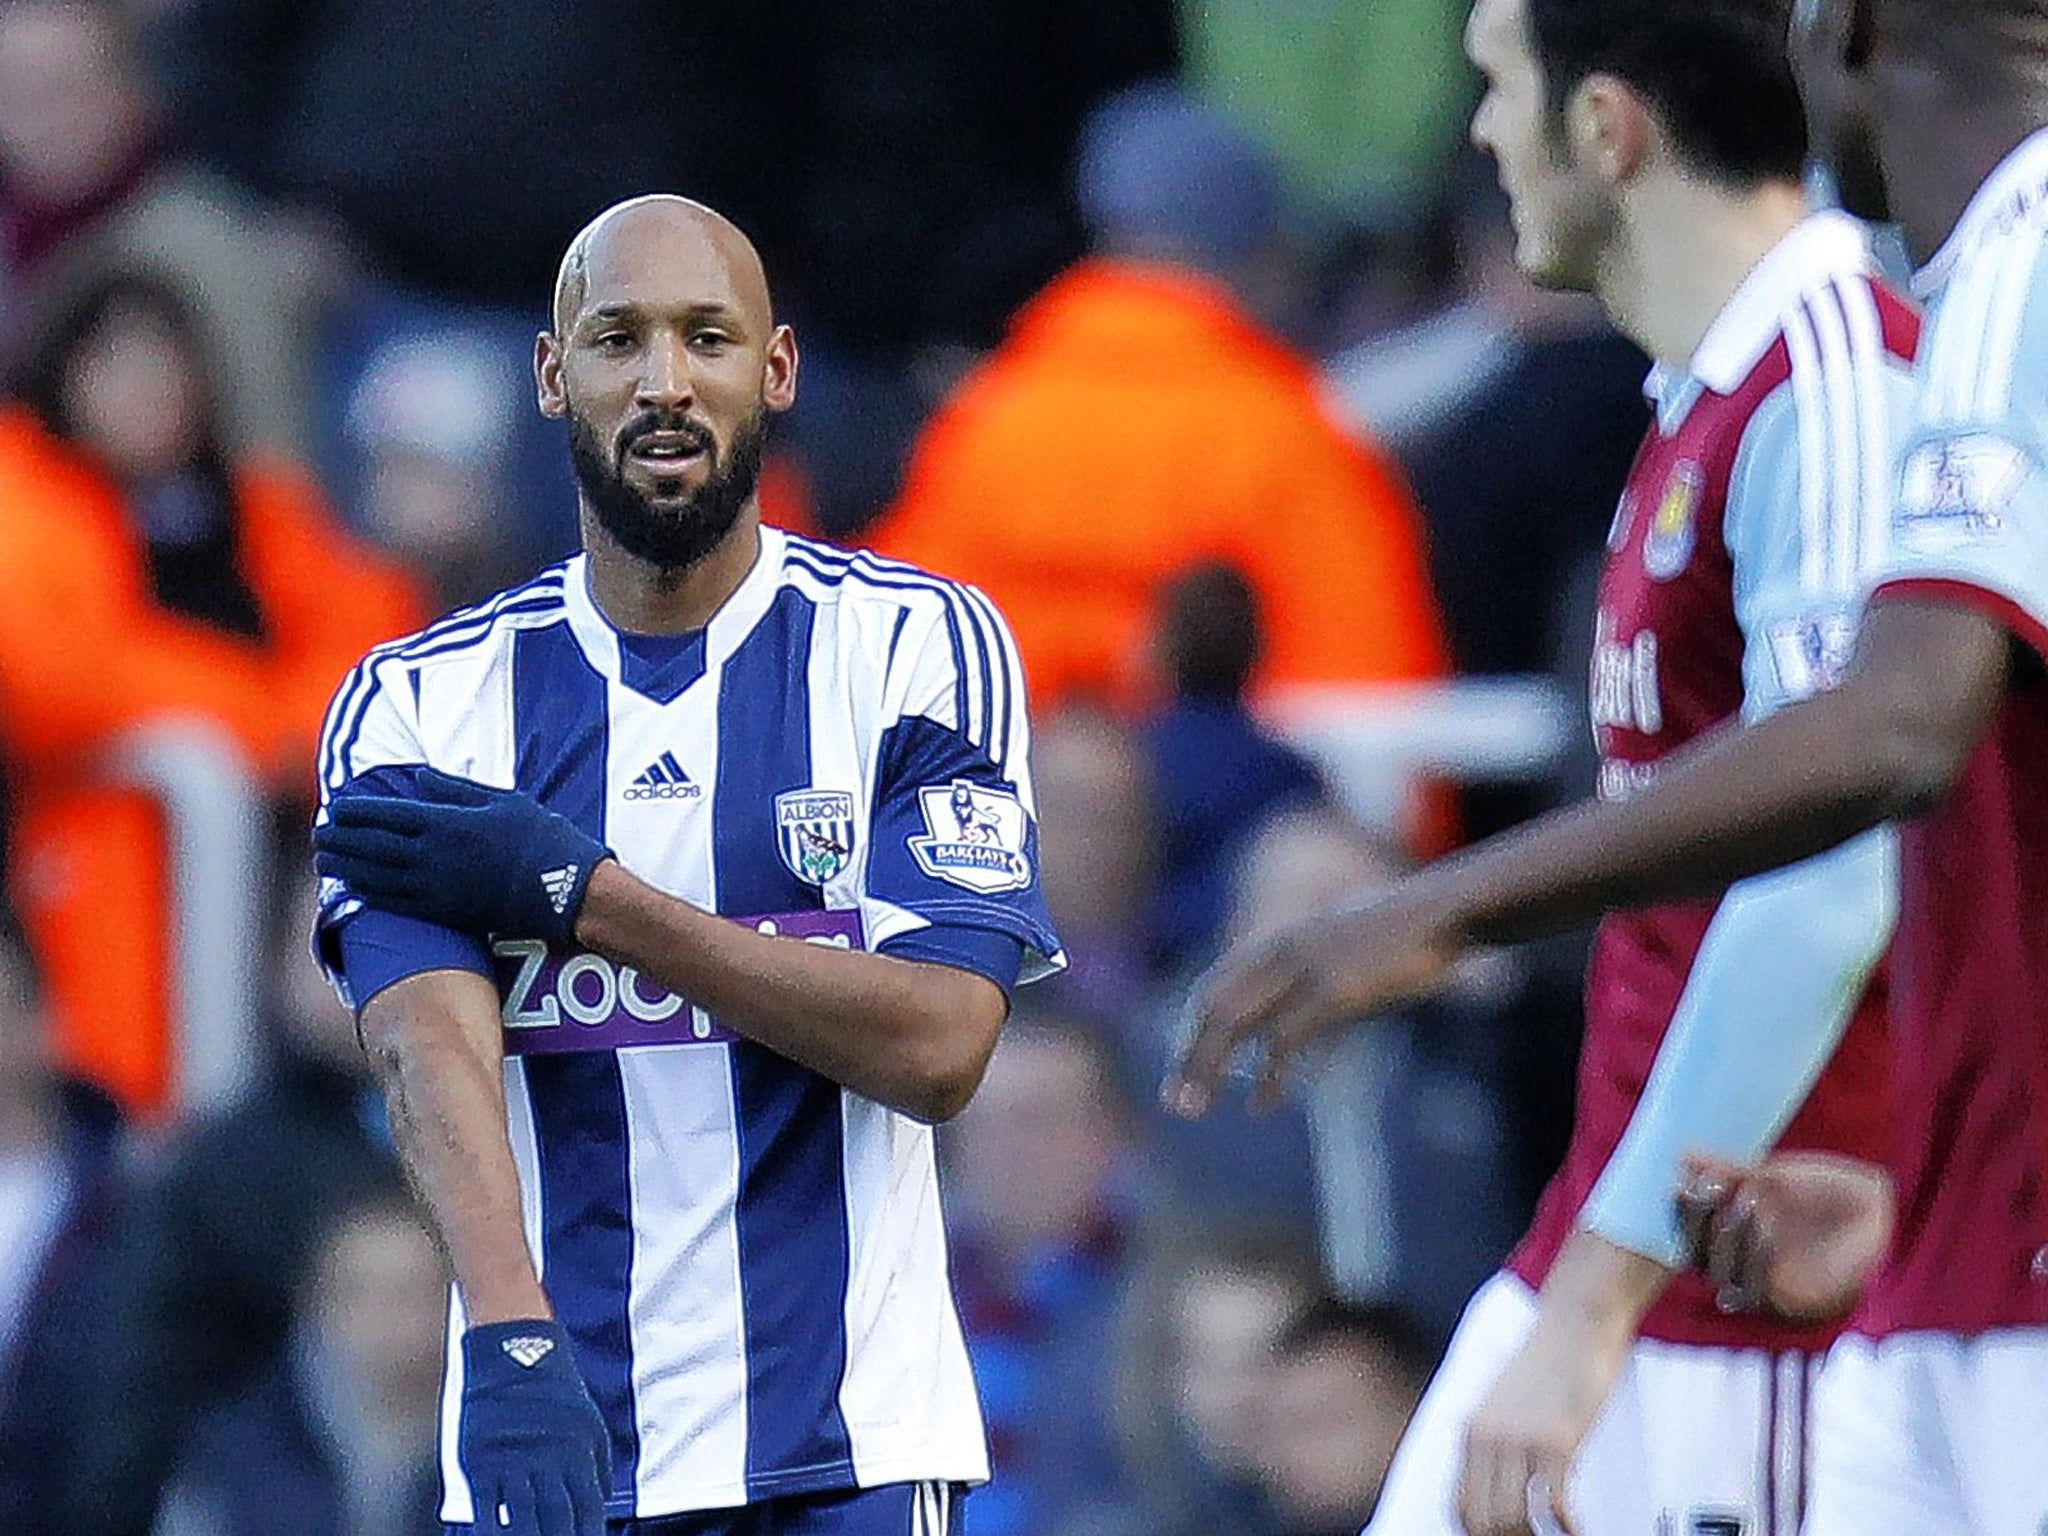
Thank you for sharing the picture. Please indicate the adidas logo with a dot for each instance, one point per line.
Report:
(528, 1350)
(663, 779)
(560, 884)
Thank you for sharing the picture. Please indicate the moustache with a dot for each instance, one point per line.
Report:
(695, 433)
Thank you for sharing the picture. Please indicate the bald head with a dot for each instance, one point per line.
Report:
(655, 230)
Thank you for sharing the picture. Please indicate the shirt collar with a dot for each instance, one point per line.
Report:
(733, 622)
(1821, 247)
(2016, 185)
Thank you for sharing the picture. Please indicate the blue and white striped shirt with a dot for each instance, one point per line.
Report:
(749, 1257)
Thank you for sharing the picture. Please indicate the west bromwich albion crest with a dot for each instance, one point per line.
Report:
(974, 837)
(814, 832)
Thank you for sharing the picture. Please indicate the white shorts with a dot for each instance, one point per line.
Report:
(1694, 1441)
(1931, 1434)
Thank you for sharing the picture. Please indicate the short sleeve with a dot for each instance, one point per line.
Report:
(370, 743)
(1807, 524)
(954, 823)
(1970, 523)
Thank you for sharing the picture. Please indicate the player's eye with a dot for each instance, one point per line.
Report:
(710, 341)
(614, 341)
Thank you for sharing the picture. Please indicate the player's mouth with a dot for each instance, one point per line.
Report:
(666, 452)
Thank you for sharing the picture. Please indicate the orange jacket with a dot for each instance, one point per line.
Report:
(86, 653)
(1134, 422)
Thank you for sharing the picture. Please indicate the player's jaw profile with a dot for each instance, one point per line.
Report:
(665, 361)
(1559, 206)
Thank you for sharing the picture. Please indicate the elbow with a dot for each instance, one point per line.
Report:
(941, 1074)
(1918, 759)
(937, 1089)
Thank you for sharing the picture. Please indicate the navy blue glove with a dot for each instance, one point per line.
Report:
(532, 1444)
(484, 861)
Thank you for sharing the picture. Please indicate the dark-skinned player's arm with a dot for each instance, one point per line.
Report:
(1886, 743)
(533, 1449)
(913, 1035)
(435, 1041)
(949, 890)
(531, 1443)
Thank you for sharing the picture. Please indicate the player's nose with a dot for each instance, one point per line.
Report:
(665, 376)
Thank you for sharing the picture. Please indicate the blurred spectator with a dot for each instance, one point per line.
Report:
(1345, 1384)
(1220, 775)
(147, 577)
(1519, 484)
(928, 200)
(213, 1248)
(57, 1146)
(86, 178)
(431, 420)
(78, 134)
(340, 1437)
(1139, 419)
(1223, 1307)
(1040, 1193)
(1096, 855)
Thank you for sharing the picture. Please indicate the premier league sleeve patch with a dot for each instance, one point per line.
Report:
(1955, 490)
(974, 837)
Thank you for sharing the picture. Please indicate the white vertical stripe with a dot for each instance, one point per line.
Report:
(1846, 442)
(1789, 1449)
(684, 1307)
(1810, 406)
(2015, 270)
(1968, 311)
(685, 1310)
(457, 1504)
(525, 1155)
(908, 1389)
(1871, 364)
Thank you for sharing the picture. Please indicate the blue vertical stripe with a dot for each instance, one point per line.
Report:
(561, 721)
(791, 1214)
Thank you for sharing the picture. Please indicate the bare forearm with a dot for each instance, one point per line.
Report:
(915, 1037)
(1747, 800)
(1601, 1289)
(1887, 743)
(438, 1056)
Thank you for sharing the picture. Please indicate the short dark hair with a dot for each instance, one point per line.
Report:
(72, 315)
(1716, 73)
(1386, 1330)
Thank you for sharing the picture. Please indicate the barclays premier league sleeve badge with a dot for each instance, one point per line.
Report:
(1957, 490)
(974, 837)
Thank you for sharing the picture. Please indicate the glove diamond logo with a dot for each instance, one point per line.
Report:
(560, 884)
(528, 1349)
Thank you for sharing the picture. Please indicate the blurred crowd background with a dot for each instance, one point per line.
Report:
(1189, 330)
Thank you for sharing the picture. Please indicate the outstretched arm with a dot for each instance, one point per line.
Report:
(1886, 743)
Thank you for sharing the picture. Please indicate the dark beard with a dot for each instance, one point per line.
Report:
(675, 535)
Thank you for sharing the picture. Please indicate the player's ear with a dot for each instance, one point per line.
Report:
(1609, 128)
(778, 382)
(547, 376)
